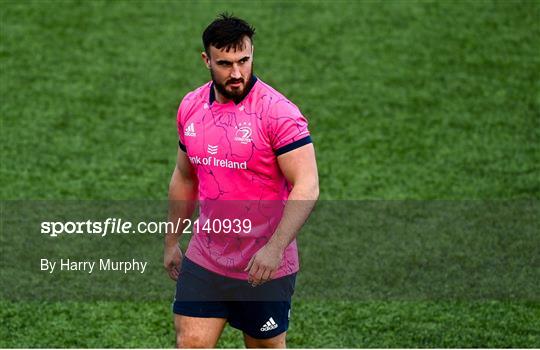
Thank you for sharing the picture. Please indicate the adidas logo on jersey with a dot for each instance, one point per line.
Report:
(269, 325)
(190, 130)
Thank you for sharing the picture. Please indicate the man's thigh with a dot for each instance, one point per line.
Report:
(274, 342)
(197, 332)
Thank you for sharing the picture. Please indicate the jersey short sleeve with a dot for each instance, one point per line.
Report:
(288, 127)
(180, 121)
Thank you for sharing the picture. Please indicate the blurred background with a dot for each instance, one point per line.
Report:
(407, 100)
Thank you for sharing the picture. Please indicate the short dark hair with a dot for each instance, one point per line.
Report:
(228, 32)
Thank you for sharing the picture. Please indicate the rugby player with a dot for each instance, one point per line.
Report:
(239, 140)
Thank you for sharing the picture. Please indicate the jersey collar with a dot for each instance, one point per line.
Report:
(252, 82)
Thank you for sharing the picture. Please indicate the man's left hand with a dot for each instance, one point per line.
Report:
(264, 264)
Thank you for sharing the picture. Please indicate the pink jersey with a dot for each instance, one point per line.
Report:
(234, 150)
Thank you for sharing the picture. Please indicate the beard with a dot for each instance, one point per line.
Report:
(236, 95)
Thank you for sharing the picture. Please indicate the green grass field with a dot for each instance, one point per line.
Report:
(407, 100)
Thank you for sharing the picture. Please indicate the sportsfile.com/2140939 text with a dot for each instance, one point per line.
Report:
(120, 226)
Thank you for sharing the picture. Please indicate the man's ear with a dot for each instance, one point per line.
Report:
(205, 59)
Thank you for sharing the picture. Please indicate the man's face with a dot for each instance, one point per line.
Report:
(231, 71)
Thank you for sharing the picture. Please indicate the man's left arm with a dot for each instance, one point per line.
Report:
(300, 169)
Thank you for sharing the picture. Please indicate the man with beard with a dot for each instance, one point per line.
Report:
(246, 157)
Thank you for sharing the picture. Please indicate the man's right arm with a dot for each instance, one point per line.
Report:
(183, 193)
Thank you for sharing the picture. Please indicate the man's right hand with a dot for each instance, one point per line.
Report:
(172, 260)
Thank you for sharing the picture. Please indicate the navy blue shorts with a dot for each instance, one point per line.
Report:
(261, 312)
